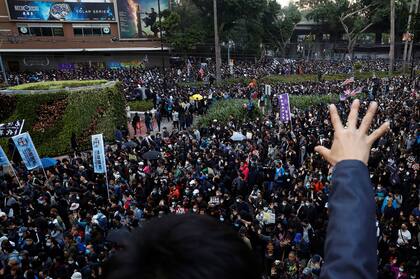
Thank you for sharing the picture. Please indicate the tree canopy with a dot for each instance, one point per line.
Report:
(249, 23)
(256, 25)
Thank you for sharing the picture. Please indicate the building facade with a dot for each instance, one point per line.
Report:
(68, 34)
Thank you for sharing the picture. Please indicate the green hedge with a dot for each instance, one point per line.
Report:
(87, 112)
(223, 109)
(303, 102)
(56, 84)
(140, 105)
(7, 105)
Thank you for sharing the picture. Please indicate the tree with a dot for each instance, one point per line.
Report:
(355, 21)
(183, 27)
(310, 4)
(392, 38)
(352, 18)
(279, 24)
(238, 20)
(249, 23)
(327, 13)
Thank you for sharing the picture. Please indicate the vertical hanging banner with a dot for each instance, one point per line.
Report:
(27, 151)
(284, 108)
(98, 154)
(4, 161)
(267, 90)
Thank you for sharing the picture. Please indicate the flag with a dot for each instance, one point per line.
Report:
(98, 154)
(4, 161)
(201, 72)
(356, 91)
(407, 37)
(11, 129)
(348, 81)
(27, 151)
(343, 97)
(284, 108)
(347, 92)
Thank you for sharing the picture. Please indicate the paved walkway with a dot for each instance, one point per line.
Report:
(143, 130)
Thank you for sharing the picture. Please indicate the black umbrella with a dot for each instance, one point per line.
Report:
(152, 155)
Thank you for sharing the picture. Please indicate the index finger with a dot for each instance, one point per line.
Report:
(335, 118)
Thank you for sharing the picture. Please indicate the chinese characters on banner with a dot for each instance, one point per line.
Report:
(11, 129)
(27, 151)
(4, 161)
(267, 90)
(284, 104)
(98, 154)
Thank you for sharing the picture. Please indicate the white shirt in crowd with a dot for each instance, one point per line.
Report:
(175, 116)
(403, 237)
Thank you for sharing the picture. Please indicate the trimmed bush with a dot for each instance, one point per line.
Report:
(223, 109)
(104, 107)
(45, 85)
(358, 66)
(7, 106)
(303, 102)
(140, 105)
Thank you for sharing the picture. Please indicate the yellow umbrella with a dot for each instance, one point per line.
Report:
(197, 97)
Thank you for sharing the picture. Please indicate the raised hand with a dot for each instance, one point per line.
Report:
(350, 142)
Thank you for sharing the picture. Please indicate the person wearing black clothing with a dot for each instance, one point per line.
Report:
(136, 120)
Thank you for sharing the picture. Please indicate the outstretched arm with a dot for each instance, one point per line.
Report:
(350, 248)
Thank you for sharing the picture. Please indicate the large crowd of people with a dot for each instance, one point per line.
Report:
(139, 82)
(271, 188)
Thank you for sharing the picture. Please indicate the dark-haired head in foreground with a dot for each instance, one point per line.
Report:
(185, 247)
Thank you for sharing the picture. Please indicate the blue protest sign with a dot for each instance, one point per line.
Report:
(98, 154)
(27, 151)
(4, 161)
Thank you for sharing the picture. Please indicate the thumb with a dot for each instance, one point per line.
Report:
(325, 152)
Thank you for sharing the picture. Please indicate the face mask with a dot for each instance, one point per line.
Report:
(71, 262)
(284, 203)
(401, 269)
(194, 209)
(307, 204)
(238, 200)
(48, 243)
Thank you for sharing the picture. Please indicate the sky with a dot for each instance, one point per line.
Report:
(284, 2)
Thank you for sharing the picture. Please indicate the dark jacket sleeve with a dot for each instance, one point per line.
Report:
(350, 247)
